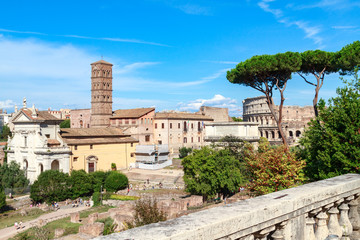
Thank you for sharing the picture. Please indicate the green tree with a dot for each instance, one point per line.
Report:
(81, 184)
(116, 181)
(317, 63)
(272, 168)
(330, 146)
(266, 73)
(65, 123)
(184, 151)
(2, 198)
(349, 58)
(237, 119)
(50, 186)
(99, 179)
(5, 133)
(11, 176)
(209, 171)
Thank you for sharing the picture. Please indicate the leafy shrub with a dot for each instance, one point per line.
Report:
(2, 198)
(99, 179)
(146, 212)
(116, 181)
(81, 184)
(113, 166)
(11, 176)
(96, 198)
(109, 225)
(273, 168)
(65, 123)
(184, 151)
(50, 186)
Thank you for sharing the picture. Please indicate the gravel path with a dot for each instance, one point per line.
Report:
(6, 233)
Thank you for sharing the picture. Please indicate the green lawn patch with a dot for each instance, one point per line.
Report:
(8, 219)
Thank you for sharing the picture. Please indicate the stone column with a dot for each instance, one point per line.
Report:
(333, 224)
(354, 219)
(310, 233)
(279, 232)
(322, 231)
(345, 222)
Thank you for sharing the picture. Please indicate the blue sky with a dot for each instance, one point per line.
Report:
(170, 54)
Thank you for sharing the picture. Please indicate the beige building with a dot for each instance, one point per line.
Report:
(180, 129)
(80, 118)
(294, 121)
(137, 122)
(218, 114)
(94, 149)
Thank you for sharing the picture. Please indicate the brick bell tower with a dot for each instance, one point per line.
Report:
(101, 94)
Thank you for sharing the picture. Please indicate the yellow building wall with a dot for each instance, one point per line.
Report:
(122, 154)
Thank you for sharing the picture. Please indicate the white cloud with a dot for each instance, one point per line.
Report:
(117, 69)
(343, 27)
(217, 101)
(216, 75)
(87, 37)
(311, 32)
(7, 104)
(328, 4)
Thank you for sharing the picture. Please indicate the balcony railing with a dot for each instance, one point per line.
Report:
(312, 211)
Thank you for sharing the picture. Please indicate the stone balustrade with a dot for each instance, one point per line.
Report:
(314, 211)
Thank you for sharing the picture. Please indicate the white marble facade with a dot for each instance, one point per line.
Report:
(36, 143)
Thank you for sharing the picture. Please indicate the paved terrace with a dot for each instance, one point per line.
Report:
(307, 212)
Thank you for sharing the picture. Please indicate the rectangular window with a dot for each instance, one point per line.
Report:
(170, 125)
(132, 154)
(199, 139)
(163, 125)
(155, 125)
(178, 125)
(133, 121)
(76, 158)
(127, 121)
(75, 147)
(132, 144)
(91, 146)
(91, 167)
(192, 125)
(147, 138)
(25, 141)
(192, 139)
(142, 121)
(47, 135)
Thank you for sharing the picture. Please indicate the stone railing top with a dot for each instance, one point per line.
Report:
(249, 216)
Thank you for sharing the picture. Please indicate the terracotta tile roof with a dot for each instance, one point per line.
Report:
(132, 113)
(53, 141)
(103, 62)
(106, 140)
(3, 143)
(40, 115)
(91, 132)
(182, 115)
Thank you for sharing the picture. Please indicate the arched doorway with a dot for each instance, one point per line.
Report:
(298, 133)
(25, 165)
(91, 163)
(55, 165)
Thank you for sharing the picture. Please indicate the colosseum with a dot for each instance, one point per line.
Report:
(295, 119)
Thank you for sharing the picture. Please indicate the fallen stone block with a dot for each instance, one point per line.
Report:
(92, 218)
(94, 229)
(75, 217)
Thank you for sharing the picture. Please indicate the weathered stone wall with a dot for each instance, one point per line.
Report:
(218, 114)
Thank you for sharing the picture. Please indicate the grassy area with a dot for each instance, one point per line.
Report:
(162, 191)
(48, 231)
(123, 197)
(99, 209)
(8, 219)
(176, 164)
